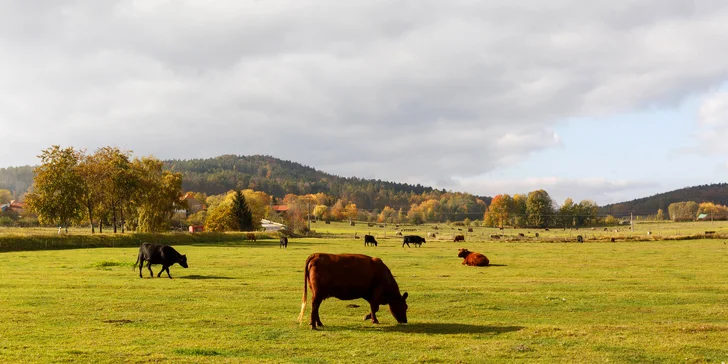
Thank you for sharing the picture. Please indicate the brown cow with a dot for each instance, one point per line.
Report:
(473, 258)
(250, 236)
(348, 277)
(458, 238)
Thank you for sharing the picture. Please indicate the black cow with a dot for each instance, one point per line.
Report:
(158, 254)
(369, 239)
(414, 239)
(284, 242)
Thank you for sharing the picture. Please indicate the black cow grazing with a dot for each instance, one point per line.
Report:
(579, 239)
(348, 277)
(158, 254)
(521, 235)
(459, 238)
(284, 242)
(369, 239)
(414, 239)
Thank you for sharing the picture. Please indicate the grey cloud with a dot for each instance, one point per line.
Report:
(401, 90)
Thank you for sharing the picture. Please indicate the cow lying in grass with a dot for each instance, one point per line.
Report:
(473, 258)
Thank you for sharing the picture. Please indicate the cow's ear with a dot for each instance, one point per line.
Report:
(404, 296)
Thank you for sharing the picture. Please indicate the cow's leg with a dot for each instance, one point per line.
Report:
(149, 266)
(167, 269)
(141, 266)
(315, 318)
(160, 272)
(373, 314)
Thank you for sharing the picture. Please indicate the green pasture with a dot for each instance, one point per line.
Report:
(446, 232)
(640, 302)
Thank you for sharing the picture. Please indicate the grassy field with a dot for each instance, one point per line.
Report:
(594, 302)
(444, 232)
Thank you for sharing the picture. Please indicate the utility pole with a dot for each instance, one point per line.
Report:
(631, 223)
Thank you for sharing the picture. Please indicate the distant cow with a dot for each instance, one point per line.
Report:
(158, 254)
(458, 238)
(473, 258)
(470, 230)
(250, 236)
(369, 239)
(579, 239)
(431, 235)
(348, 277)
(283, 242)
(495, 236)
(521, 235)
(398, 233)
(414, 239)
(327, 222)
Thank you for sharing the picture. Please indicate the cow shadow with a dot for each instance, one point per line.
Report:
(450, 328)
(194, 276)
(497, 265)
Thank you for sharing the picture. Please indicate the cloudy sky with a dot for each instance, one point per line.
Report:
(601, 100)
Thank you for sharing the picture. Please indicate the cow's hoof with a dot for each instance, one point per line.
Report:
(368, 316)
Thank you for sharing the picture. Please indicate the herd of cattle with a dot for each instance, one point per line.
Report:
(343, 276)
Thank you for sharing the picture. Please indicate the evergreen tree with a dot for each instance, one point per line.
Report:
(242, 212)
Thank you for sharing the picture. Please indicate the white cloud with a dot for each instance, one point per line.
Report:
(712, 131)
(401, 90)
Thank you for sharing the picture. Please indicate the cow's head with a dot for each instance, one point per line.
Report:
(398, 308)
(183, 261)
(462, 253)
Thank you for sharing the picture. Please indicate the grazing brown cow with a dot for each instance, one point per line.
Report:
(458, 238)
(250, 236)
(348, 277)
(473, 258)
(470, 230)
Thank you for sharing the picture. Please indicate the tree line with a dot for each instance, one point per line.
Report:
(104, 188)
(537, 209)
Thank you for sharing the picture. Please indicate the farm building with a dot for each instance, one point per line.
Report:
(271, 226)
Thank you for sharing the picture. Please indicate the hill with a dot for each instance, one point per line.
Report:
(17, 180)
(717, 193)
(280, 177)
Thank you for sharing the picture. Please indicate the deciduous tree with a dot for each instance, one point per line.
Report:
(57, 188)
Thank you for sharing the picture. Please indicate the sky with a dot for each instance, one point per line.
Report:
(600, 100)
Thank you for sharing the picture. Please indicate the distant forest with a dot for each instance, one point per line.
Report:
(17, 180)
(716, 193)
(278, 178)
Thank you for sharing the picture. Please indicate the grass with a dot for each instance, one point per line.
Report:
(445, 232)
(593, 302)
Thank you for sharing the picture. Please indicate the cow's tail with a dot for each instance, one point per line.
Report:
(139, 257)
(305, 290)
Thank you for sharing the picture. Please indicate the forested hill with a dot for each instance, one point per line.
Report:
(17, 180)
(278, 178)
(716, 193)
